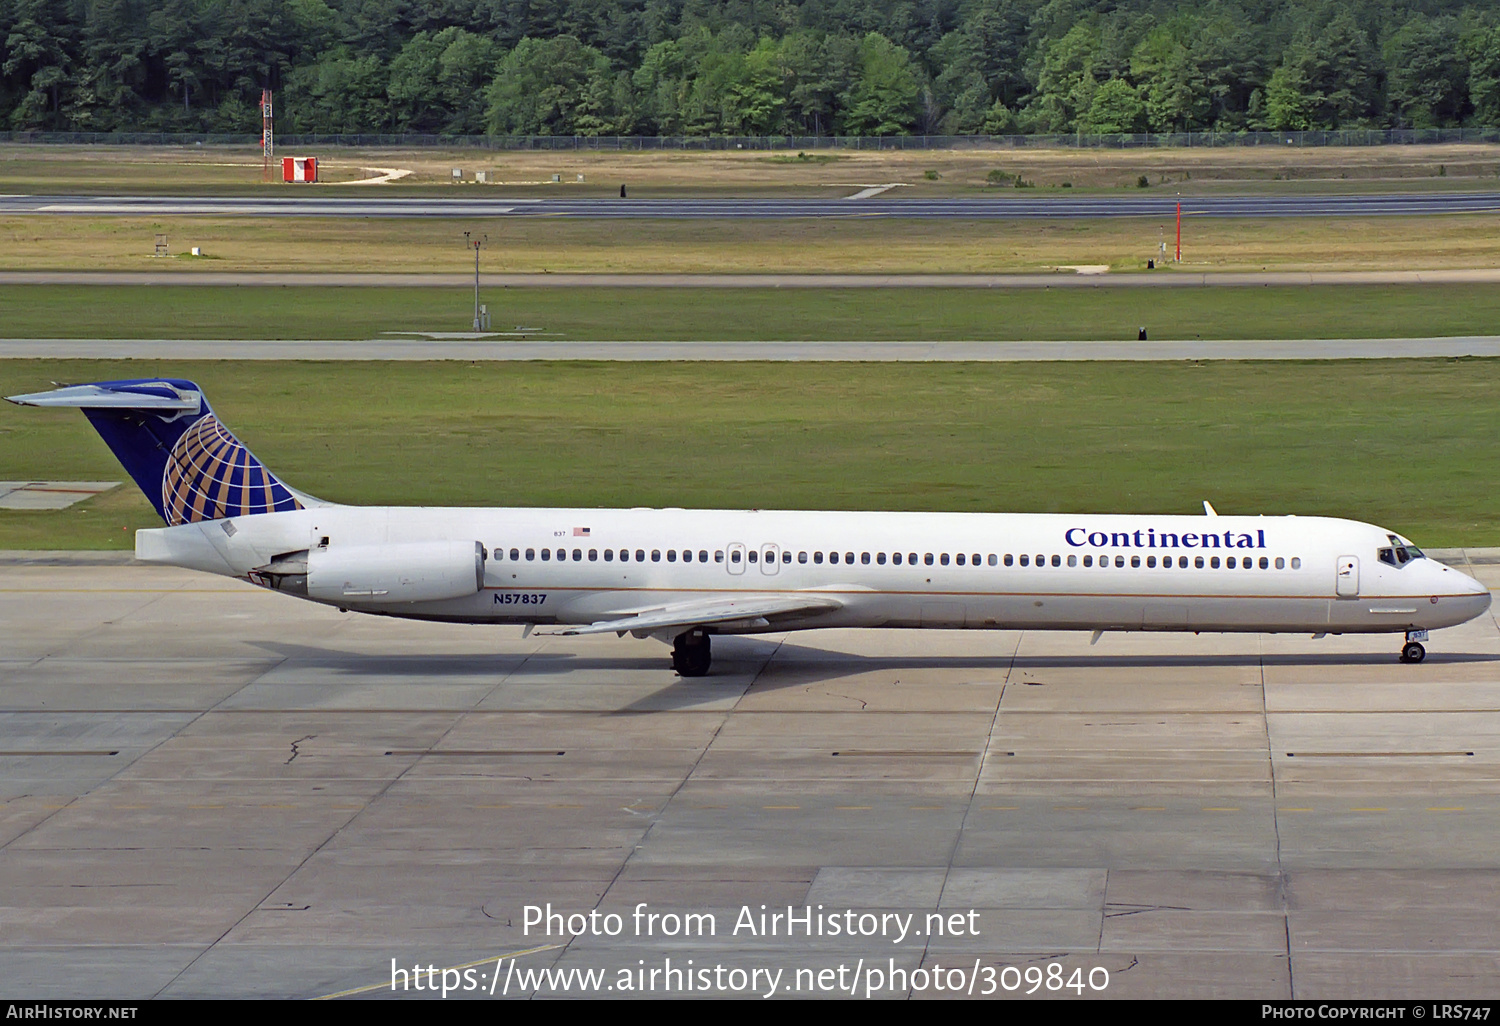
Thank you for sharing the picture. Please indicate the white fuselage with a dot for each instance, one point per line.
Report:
(943, 570)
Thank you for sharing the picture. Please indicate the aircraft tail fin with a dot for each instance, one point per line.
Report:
(167, 438)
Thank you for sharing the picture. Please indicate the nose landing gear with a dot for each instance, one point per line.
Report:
(691, 656)
(1412, 651)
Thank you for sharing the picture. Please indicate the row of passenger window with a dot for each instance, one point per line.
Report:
(910, 559)
(1198, 563)
(561, 555)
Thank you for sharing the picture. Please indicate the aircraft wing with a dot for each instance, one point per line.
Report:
(709, 611)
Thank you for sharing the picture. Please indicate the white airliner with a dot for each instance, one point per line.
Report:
(684, 575)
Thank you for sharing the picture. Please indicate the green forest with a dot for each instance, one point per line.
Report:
(747, 67)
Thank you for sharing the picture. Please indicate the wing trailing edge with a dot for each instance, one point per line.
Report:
(709, 613)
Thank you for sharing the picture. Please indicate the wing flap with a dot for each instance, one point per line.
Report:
(709, 612)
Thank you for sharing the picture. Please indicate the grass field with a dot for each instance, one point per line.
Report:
(199, 169)
(852, 244)
(1408, 444)
(895, 314)
(797, 245)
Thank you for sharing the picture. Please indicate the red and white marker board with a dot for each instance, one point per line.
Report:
(299, 169)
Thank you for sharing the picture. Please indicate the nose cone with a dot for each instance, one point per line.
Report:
(1457, 582)
(1480, 593)
(1473, 597)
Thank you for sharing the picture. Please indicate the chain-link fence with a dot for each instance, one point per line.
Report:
(1146, 140)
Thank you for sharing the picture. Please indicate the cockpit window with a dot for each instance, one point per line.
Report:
(1399, 553)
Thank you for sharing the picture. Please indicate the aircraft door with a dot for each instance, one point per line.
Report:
(770, 559)
(734, 560)
(1347, 582)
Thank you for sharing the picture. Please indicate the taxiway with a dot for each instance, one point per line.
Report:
(525, 346)
(210, 790)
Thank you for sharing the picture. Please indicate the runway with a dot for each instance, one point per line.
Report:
(209, 790)
(462, 346)
(1023, 206)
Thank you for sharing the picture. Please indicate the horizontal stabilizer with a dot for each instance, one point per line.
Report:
(705, 613)
(156, 395)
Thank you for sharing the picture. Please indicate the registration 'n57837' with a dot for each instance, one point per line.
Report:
(519, 598)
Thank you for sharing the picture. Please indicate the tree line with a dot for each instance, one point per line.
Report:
(748, 67)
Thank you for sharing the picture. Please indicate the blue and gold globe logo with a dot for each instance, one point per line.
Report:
(209, 476)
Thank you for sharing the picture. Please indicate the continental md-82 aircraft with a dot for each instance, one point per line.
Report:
(682, 576)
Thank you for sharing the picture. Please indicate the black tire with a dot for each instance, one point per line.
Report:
(1413, 652)
(691, 655)
(697, 664)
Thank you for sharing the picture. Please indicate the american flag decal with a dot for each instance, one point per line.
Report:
(580, 532)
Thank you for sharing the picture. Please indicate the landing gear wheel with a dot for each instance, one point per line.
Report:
(691, 656)
(1413, 652)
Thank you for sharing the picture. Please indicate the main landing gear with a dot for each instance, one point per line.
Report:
(1412, 651)
(690, 654)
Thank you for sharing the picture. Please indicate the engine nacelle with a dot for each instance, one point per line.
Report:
(404, 572)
